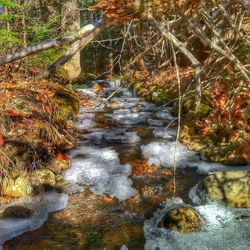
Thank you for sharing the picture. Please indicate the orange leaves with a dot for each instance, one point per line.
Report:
(141, 167)
(61, 156)
(97, 88)
(14, 113)
(1, 140)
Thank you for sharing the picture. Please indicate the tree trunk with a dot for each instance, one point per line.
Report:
(75, 48)
(70, 22)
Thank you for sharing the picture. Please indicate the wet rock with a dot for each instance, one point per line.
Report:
(182, 219)
(16, 212)
(231, 187)
(16, 188)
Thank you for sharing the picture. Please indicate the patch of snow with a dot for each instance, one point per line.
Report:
(162, 154)
(40, 204)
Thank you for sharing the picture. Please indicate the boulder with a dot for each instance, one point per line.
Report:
(231, 187)
(16, 212)
(183, 219)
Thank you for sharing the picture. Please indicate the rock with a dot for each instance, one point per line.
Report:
(44, 177)
(232, 187)
(17, 188)
(57, 165)
(181, 219)
(16, 212)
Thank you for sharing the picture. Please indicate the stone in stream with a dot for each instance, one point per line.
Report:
(16, 212)
(230, 187)
(182, 219)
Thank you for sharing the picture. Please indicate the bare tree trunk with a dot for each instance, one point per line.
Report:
(70, 22)
(57, 42)
(77, 46)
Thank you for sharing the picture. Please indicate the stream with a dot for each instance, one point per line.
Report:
(120, 181)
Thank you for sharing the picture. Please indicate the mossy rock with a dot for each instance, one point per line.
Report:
(181, 219)
(231, 187)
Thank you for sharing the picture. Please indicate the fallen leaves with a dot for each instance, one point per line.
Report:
(1, 140)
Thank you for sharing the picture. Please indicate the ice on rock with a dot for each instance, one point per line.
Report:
(121, 136)
(41, 205)
(205, 167)
(165, 133)
(106, 154)
(121, 105)
(222, 229)
(122, 111)
(131, 118)
(89, 92)
(115, 83)
(162, 154)
(86, 124)
(166, 115)
(156, 123)
(101, 169)
(118, 186)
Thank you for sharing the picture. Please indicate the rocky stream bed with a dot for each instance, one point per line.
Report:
(119, 189)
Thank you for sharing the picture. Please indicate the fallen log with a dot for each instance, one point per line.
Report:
(56, 42)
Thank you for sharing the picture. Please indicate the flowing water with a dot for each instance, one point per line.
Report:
(113, 192)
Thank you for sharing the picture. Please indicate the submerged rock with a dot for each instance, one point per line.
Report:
(231, 187)
(182, 219)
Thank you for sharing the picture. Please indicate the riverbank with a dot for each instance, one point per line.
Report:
(219, 127)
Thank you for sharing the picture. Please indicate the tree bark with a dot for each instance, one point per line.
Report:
(77, 46)
(57, 42)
